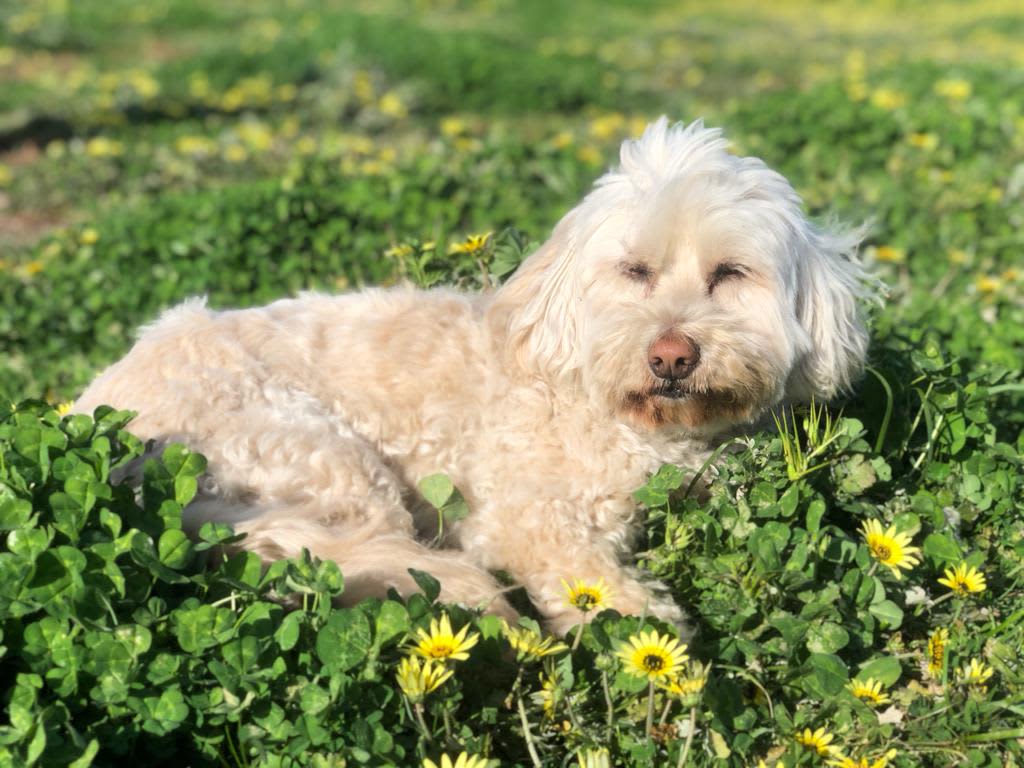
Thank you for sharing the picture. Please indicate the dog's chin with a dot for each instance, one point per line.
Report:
(678, 403)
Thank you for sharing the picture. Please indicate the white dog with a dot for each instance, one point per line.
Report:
(687, 294)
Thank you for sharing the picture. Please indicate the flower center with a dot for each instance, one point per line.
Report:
(882, 551)
(653, 662)
(585, 601)
(441, 649)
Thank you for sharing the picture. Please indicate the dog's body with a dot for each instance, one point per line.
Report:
(547, 403)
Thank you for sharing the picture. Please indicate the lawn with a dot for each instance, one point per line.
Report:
(248, 150)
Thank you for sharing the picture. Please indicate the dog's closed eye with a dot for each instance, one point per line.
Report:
(638, 271)
(724, 271)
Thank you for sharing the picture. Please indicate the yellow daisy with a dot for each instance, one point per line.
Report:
(585, 596)
(763, 764)
(652, 655)
(594, 758)
(442, 643)
(964, 579)
(465, 760)
(472, 244)
(937, 651)
(849, 762)
(63, 409)
(417, 679)
(818, 740)
(890, 548)
(976, 673)
(869, 690)
(548, 695)
(689, 686)
(530, 645)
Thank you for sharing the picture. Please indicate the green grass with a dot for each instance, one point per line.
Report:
(247, 151)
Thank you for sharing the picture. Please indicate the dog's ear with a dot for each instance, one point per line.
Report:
(536, 311)
(831, 284)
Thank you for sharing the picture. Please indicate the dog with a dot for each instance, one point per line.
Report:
(683, 298)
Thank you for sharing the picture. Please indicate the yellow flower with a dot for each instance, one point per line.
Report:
(547, 695)
(964, 579)
(690, 686)
(306, 145)
(143, 83)
(63, 409)
(530, 645)
(763, 764)
(925, 141)
(362, 84)
(652, 655)
(100, 146)
(890, 254)
(235, 153)
(32, 268)
(588, 155)
(399, 251)
(954, 89)
(195, 145)
(888, 98)
(88, 236)
(869, 690)
(848, 762)
(958, 256)
(452, 126)
(562, 139)
(1011, 275)
(976, 673)
(255, 135)
(417, 679)
(818, 741)
(594, 758)
(391, 105)
(890, 548)
(472, 244)
(464, 760)
(587, 597)
(607, 126)
(442, 643)
(937, 651)
(987, 284)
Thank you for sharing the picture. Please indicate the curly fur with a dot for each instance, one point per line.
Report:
(320, 414)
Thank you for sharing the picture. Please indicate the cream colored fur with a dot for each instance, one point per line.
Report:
(320, 414)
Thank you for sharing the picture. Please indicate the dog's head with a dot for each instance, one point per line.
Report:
(689, 290)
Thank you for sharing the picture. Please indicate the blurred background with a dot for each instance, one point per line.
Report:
(248, 149)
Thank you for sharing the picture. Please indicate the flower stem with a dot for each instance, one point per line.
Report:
(579, 634)
(941, 599)
(665, 711)
(446, 719)
(610, 715)
(650, 711)
(689, 739)
(527, 736)
(418, 709)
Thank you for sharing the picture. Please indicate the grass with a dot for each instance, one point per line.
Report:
(152, 152)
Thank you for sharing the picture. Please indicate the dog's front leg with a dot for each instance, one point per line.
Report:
(550, 543)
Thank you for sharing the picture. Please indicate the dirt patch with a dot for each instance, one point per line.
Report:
(19, 229)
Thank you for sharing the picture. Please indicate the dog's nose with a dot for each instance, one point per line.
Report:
(673, 357)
